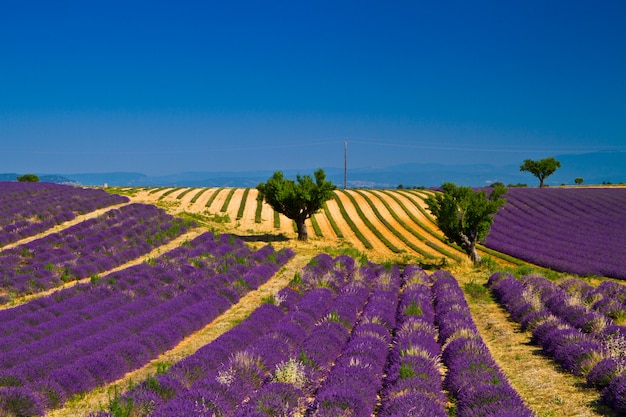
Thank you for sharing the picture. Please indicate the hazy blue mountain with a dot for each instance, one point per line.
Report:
(594, 168)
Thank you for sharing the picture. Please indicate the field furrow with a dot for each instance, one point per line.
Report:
(346, 231)
(187, 196)
(249, 212)
(362, 202)
(199, 205)
(218, 201)
(364, 229)
(390, 212)
(325, 226)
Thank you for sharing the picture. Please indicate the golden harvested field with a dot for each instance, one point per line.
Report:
(404, 214)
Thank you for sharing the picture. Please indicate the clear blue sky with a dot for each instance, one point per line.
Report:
(164, 87)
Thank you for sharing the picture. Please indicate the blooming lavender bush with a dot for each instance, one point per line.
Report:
(351, 386)
(413, 382)
(473, 378)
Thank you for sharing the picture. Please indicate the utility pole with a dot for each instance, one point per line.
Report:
(345, 162)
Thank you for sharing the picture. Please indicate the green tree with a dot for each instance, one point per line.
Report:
(298, 200)
(28, 178)
(541, 169)
(465, 215)
(578, 180)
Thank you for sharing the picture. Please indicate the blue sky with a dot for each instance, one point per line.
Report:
(165, 87)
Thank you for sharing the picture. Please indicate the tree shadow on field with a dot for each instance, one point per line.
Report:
(267, 238)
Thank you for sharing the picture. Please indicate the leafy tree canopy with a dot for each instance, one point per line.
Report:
(298, 200)
(28, 178)
(465, 215)
(541, 169)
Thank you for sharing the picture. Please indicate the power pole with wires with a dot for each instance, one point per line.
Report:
(345, 162)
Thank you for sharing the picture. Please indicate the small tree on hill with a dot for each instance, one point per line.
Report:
(465, 215)
(541, 169)
(298, 200)
(28, 178)
(578, 180)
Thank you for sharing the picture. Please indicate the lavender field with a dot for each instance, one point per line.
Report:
(344, 337)
(86, 249)
(321, 347)
(91, 334)
(577, 230)
(27, 209)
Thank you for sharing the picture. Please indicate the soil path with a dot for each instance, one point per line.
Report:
(98, 399)
(346, 231)
(548, 391)
(249, 211)
(235, 202)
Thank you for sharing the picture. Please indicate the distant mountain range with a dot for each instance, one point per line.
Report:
(593, 168)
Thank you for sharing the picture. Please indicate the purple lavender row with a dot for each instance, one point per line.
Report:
(97, 362)
(176, 385)
(413, 382)
(186, 381)
(88, 248)
(28, 209)
(608, 298)
(474, 379)
(356, 377)
(564, 229)
(575, 351)
(162, 279)
(81, 364)
(248, 370)
(571, 309)
(161, 331)
(299, 378)
(278, 350)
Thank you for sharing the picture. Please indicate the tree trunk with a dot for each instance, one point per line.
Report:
(470, 248)
(303, 235)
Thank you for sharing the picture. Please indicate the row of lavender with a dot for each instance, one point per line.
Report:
(580, 337)
(27, 209)
(87, 248)
(91, 334)
(580, 231)
(340, 340)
